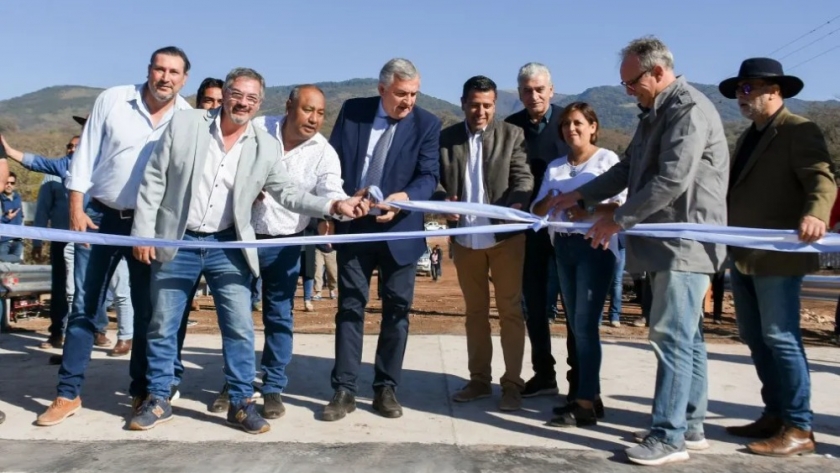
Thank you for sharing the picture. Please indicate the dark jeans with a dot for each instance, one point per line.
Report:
(617, 286)
(436, 272)
(89, 298)
(538, 252)
(280, 269)
(767, 310)
(718, 280)
(58, 293)
(356, 263)
(585, 276)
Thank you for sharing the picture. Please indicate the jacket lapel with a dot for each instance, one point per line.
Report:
(203, 130)
(460, 157)
(761, 146)
(365, 126)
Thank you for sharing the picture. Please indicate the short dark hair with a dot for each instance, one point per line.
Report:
(588, 113)
(208, 83)
(478, 84)
(12, 174)
(172, 51)
(295, 92)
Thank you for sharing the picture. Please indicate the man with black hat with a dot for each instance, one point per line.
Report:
(781, 177)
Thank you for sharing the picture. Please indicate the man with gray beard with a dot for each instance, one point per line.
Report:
(781, 177)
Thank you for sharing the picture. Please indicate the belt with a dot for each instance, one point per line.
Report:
(265, 236)
(123, 214)
(207, 234)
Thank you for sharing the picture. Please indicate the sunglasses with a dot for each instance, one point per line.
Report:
(11, 183)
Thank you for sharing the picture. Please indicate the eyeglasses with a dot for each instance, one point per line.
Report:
(71, 146)
(239, 96)
(630, 84)
(11, 183)
(747, 88)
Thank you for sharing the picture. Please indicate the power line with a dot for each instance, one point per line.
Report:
(818, 55)
(812, 42)
(804, 35)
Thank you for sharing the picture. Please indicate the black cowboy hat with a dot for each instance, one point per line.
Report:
(766, 69)
(80, 120)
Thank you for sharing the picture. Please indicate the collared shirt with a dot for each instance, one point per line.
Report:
(211, 205)
(380, 124)
(474, 192)
(537, 127)
(115, 146)
(314, 165)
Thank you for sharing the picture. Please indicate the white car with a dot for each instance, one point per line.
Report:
(424, 264)
(431, 226)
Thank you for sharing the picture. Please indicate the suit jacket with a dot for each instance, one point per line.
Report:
(176, 165)
(507, 177)
(411, 167)
(789, 175)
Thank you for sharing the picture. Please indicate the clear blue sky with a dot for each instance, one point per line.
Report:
(105, 43)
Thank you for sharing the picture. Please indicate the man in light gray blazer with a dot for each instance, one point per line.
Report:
(199, 186)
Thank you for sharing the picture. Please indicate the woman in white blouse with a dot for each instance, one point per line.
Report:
(585, 272)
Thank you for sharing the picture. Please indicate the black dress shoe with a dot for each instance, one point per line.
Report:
(273, 407)
(573, 415)
(598, 405)
(385, 403)
(341, 404)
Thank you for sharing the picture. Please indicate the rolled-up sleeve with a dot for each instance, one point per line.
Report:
(90, 143)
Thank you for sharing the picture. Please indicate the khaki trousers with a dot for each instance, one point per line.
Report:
(504, 262)
(321, 260)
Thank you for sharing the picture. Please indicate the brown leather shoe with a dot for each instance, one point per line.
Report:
(764, 428)
(788, 442)
(121, 348)
(101, 340)
(59, 410)
(52, 342)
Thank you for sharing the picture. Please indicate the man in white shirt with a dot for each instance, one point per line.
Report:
(199, 186)
(116, 142)
(313, 164)
(485, 161)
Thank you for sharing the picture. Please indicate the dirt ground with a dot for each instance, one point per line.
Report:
(439, 307)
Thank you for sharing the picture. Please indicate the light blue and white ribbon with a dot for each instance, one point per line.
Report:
(764, 239)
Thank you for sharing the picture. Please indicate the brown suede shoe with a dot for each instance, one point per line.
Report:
(511, 398)
(788, 442)
(121, 348)
(101, 340)
(473, 391)
(59, 410)
(52, 342)
(764, 428)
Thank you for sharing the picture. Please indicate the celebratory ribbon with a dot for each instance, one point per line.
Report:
(756, 238)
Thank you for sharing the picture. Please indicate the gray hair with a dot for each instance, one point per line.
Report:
(531, 70)
(294, 94)
(400, 68)
(651, 52)
(247, 73)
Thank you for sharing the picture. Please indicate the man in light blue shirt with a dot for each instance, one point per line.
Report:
(123, 128)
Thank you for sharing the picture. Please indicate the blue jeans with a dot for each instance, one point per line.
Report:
(279, 267)
(676, 335)
(93, 269)
(767, 311)
(229, 279)
(256, 290)
(617, 288)
(585, 275)
(11, 251)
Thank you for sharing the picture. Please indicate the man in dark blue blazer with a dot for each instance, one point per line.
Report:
(390, 143)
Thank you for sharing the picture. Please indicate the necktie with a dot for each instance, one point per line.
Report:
(380, 152)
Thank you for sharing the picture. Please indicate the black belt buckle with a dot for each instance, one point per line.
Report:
(126, 214)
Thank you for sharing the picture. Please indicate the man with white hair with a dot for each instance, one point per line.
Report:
(540, 120)
(676, 171)
(388, 142)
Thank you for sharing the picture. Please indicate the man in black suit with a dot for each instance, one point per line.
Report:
(541, 122)
(388, 142)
